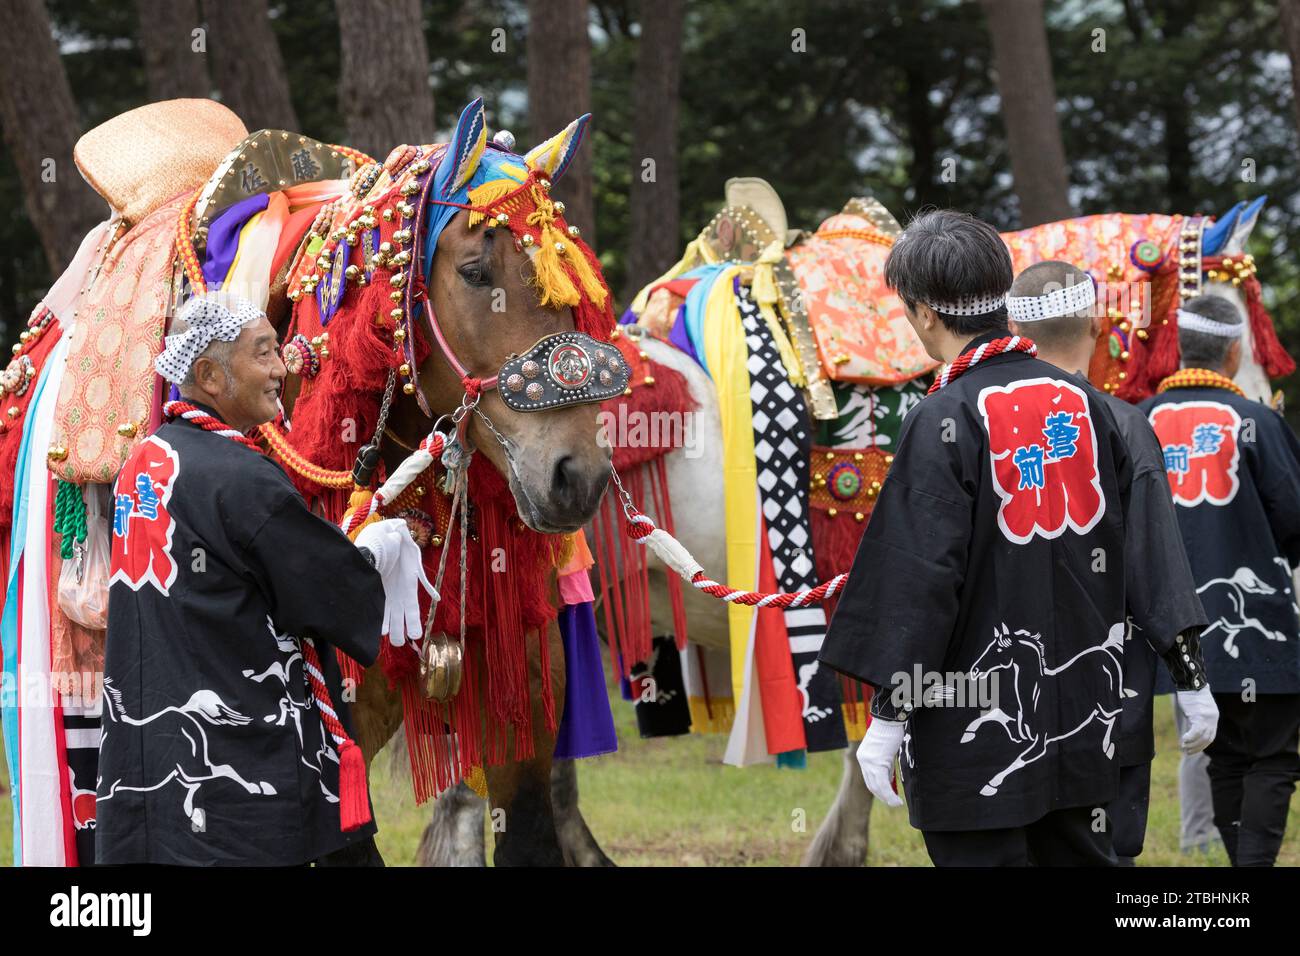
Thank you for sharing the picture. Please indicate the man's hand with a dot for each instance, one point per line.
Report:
(1202, 715)
(876, 756)
(397, 559)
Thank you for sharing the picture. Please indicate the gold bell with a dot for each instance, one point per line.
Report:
(408, 389)
(405, 210)
(397, 280)
(57, 453)
(559, 207)
(127, 429)
(401, 236)
(442, 664)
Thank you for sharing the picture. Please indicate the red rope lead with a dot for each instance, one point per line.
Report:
(640, 527)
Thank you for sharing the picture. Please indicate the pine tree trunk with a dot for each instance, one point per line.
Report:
(384, 88)
(247, 65)
(40, 129)
(1028, 94)
(653, 199)
(559, 91)
(1290, 16)
(172, 67)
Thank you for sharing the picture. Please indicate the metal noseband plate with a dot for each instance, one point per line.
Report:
(567, 368)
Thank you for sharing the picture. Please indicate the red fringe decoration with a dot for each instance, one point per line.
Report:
(1269, 352)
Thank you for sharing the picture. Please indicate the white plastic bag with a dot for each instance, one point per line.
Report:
(83, 580)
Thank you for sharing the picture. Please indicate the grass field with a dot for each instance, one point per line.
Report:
(671, 802)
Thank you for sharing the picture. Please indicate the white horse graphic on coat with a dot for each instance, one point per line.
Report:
(1243, 582)
(194, 768)
(1022, 654)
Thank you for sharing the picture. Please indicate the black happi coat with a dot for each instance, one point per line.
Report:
(1233, 467)
(996, 552)
(213, 751)
(1161, 592)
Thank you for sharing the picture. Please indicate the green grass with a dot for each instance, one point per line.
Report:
(671, 802)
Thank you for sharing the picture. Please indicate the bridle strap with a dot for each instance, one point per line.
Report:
(473, 385)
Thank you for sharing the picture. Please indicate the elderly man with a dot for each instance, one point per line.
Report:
(226, 735)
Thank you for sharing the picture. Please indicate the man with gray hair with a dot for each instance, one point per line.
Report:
(1233, 467)
(226, 736)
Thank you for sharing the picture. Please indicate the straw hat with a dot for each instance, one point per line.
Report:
(141, 158)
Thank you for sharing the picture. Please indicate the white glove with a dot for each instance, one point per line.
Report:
(397, 559)
(1202, 715)
(876, 755)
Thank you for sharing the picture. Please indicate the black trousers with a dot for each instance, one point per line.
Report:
(1127, 813)
(1062, 838)
(1254, 765)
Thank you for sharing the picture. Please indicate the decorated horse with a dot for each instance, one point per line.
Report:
(430, 306)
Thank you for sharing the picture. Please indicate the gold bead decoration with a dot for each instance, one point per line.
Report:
(574, 231)
(559, 207)
(388, 215)
(396, 315)
(408, 389)
(127, 429)
(405, 210)
(401, 237)
(399, 335)
(352, 271)
(404, 370)
(559, 247)
(395, 296)
(832, 512)
(397, 279)
(858, 516)
(295, 295)
(858, 456)
(526, 239)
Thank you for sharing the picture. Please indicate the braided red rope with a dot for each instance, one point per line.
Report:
(192, 413)
(640, 527)
(968, 360)
(354, 803)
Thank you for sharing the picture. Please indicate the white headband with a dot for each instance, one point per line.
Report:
(1066, 300)
(969, 304)
(209, 315)
(1199, 323)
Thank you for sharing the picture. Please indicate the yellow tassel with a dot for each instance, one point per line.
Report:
(553, 282)
(591, 284)
(360, 501)
(476, 779)
(487, 194)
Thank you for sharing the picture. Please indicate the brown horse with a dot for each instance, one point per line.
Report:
(483, 290)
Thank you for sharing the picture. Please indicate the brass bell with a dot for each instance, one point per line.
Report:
(442, 665)
(127, 429)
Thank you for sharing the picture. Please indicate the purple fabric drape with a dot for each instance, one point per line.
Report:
(223, 237)
(587, 727)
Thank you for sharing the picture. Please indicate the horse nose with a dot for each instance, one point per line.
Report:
(571, 483)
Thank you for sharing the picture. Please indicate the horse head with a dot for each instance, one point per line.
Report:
(509, 284)
(1228, 237)
(997, 655)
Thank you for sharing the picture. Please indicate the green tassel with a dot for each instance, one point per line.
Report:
(69, 517)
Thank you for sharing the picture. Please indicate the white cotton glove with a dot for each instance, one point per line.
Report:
(876, 755)
(397, 559)
(1202, 715)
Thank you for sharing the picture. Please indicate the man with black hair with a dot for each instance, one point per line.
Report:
(977, 608)
(1055, 302)
(1233, 467)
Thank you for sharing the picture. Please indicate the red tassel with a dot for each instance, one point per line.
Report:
(354, 802)
(1269, 353)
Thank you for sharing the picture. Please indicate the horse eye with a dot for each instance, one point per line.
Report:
(474, 274)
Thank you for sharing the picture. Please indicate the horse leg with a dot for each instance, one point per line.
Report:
(576, 842)
(1035, 750)
(454, 835)
(523, 816)
(996, 714)
(842, 839)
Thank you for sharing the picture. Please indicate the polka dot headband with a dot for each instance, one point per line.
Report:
(209, 315)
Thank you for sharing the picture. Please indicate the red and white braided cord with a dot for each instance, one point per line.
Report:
(425, 454)
(324, 703)
(967, 360)
(198, 416)
(640, 527)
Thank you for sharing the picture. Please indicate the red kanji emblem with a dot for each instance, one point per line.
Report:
(142, 526)
(1043, 454)
(1199, 441)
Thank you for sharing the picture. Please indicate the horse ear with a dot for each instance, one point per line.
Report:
(1245, 225)
(1215, 238)
(553, 156)
(468, 141)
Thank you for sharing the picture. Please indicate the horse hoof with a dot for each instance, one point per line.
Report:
(267, 789)
(988, 790)
(967, 737)
(1110, 751)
